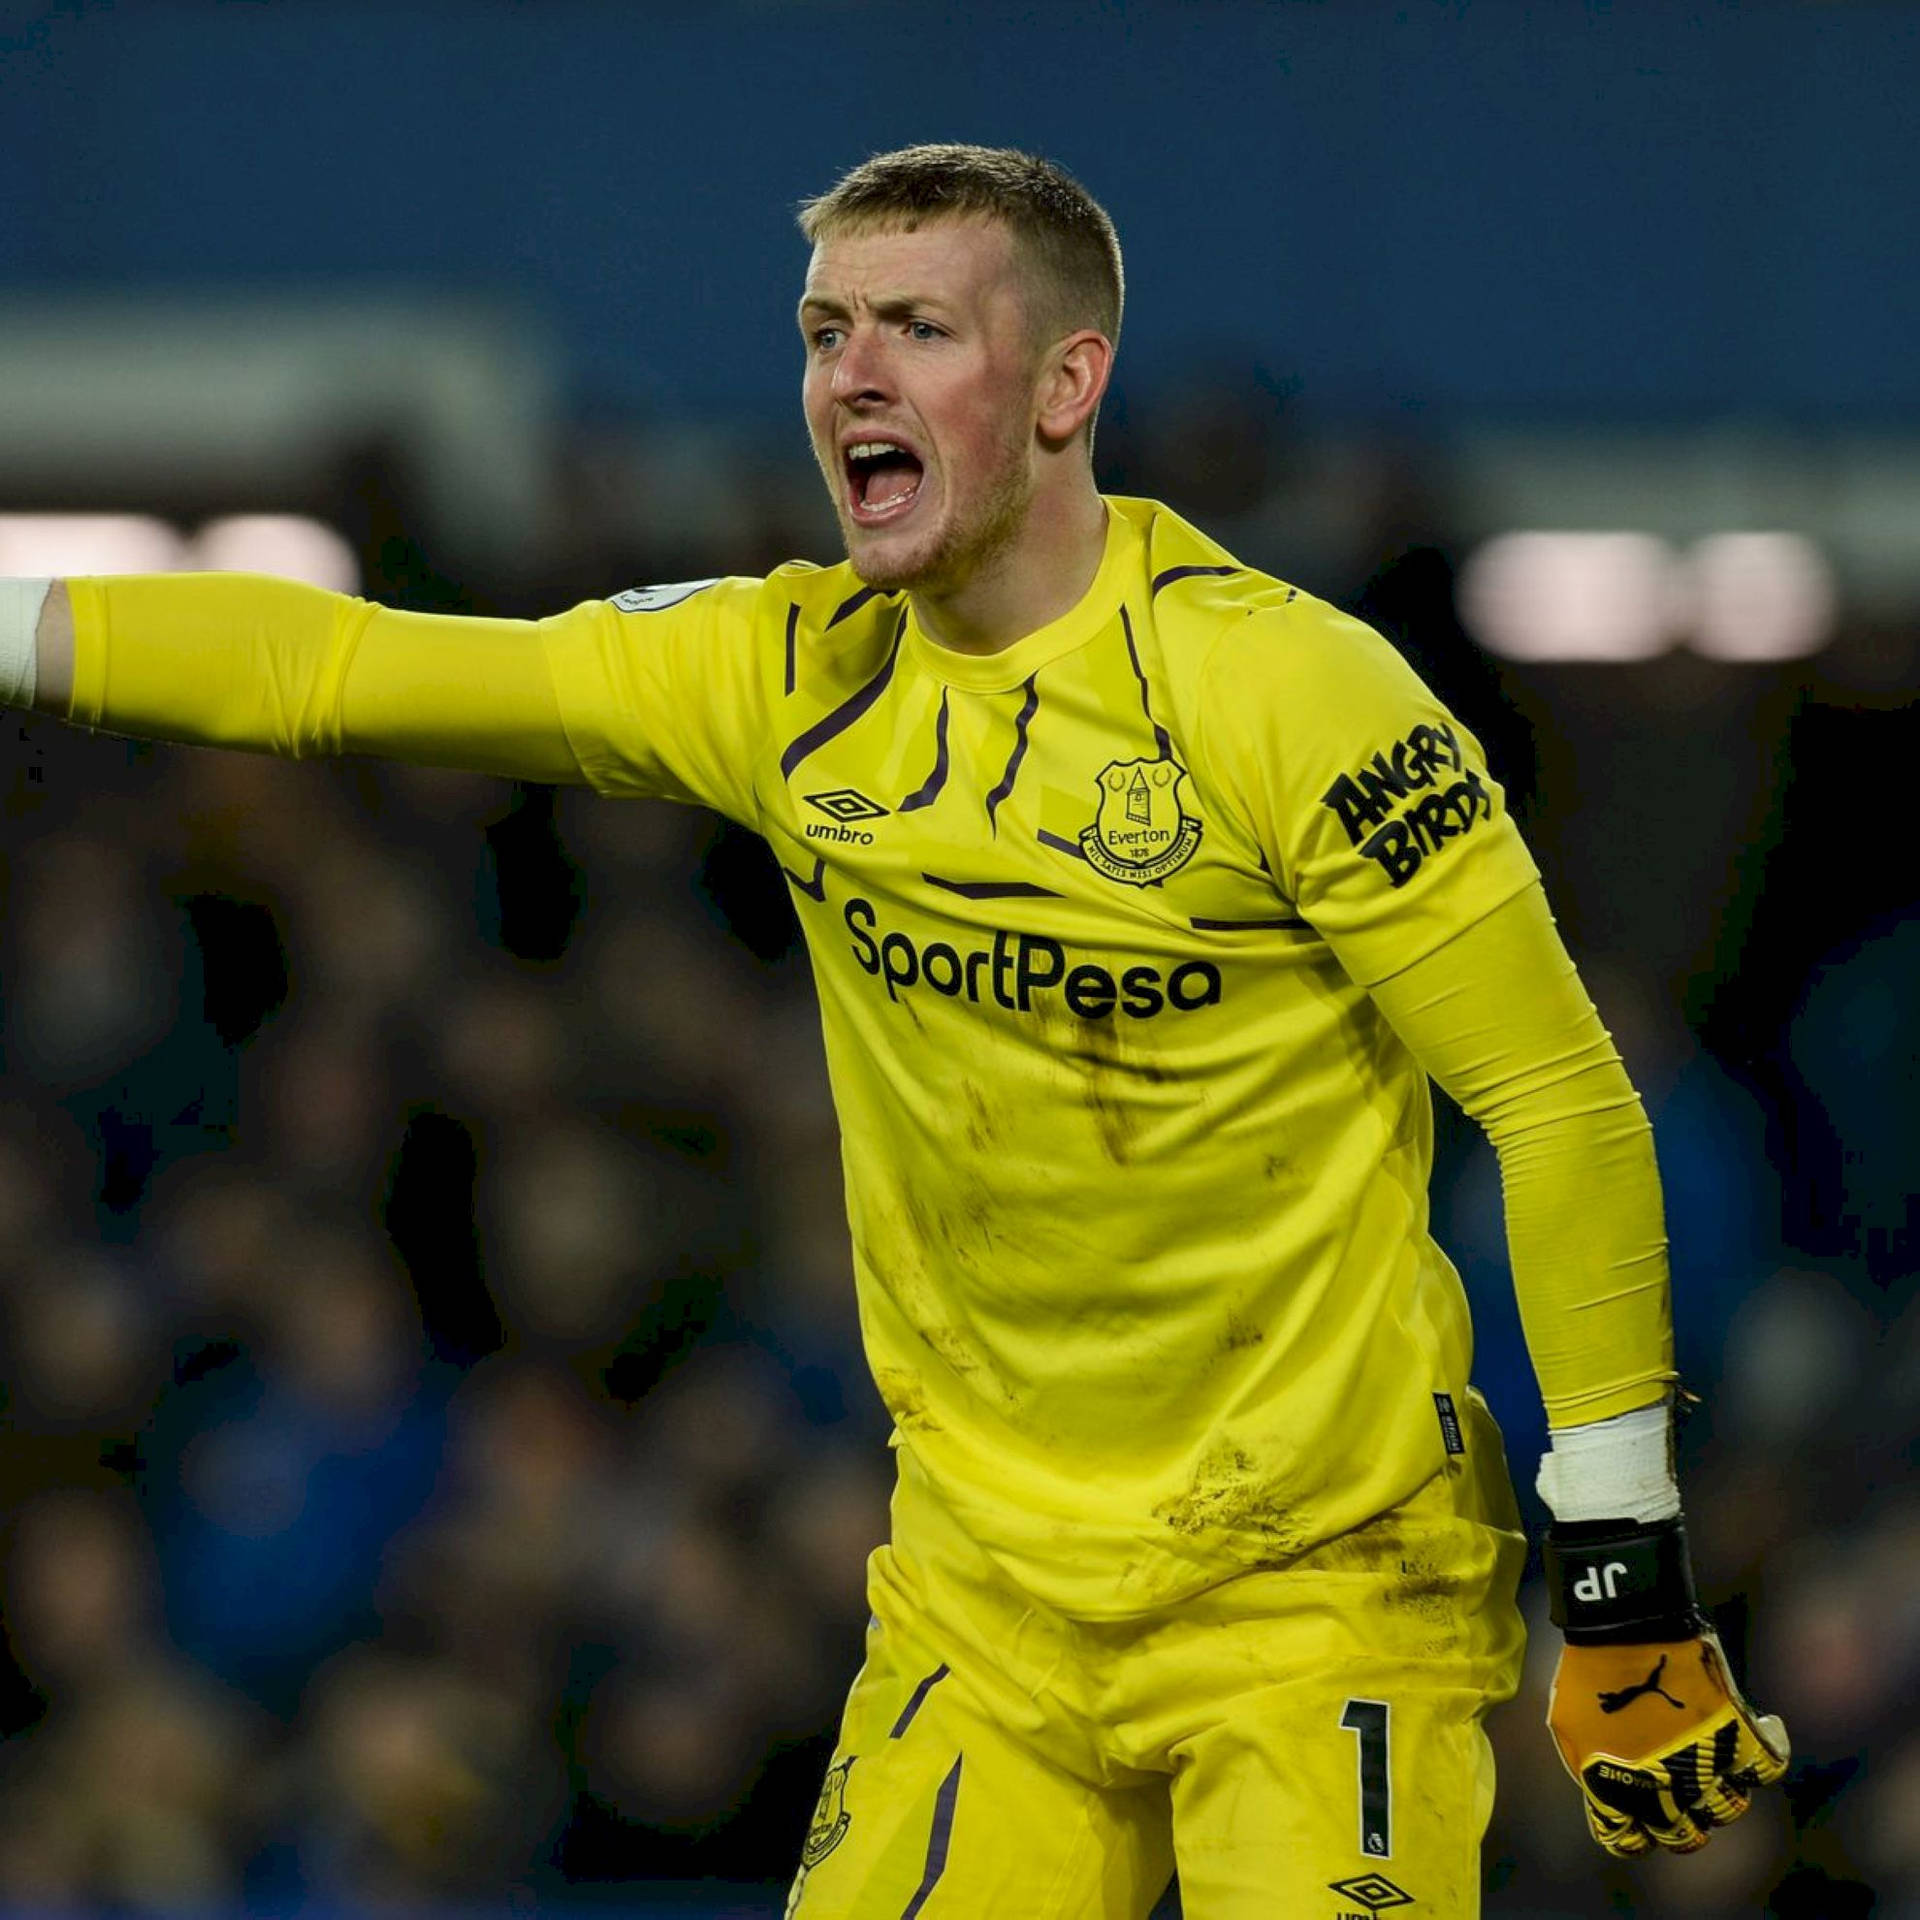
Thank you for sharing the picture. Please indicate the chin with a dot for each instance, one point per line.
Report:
(891, 564)
(887, 575)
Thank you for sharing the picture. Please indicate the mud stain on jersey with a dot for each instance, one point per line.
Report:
(1095, 1045)
(1227, 1494)
(972, 1246)
(1427, 1592)
(977, 1208)
(1116, 1121)
(918, 1221)
(900, 1268)
(906, 1399)
(957, 1349)
(966, 1236)
(982, 1130)
(1240, 1333)
(1425, 1586)
(1112, 1086)
(952, 1347)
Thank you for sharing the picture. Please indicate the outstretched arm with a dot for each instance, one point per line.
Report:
(241, 660)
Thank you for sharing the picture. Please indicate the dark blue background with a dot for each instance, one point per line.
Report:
(1662, 212)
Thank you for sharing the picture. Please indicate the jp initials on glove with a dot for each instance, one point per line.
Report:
(1644, 1709)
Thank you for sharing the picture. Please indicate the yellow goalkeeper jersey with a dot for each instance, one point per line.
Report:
(1136, 1171)
(1137, 1168)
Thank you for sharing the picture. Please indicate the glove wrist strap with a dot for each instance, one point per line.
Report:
(1621, 1581)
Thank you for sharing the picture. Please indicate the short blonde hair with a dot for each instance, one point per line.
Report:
(1070, 252)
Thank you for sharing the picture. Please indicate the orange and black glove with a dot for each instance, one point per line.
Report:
(1644, 1710)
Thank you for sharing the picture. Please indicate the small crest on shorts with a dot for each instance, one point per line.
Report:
(830, 1817)
(655, 599)
(1142, 831)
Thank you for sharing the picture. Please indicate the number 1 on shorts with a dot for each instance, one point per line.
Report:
(1366, 1720)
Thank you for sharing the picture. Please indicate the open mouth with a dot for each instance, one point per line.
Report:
(883, 480)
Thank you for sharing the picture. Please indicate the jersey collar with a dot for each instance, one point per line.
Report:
(999, 672)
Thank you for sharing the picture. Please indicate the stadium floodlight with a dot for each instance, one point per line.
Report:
(1748, 597)
(1572, 596)
(1759, 596)
(58, 545)
(287, 545)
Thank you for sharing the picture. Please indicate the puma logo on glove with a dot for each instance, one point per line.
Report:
(1625, 1696)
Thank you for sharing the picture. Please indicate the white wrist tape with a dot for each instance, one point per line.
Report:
(20, 604)
(1618, 1469)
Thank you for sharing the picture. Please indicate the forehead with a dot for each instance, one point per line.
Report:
(954, 260)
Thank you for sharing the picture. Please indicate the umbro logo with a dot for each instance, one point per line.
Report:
(844, 806)
(1374, 1891)
(846, 803)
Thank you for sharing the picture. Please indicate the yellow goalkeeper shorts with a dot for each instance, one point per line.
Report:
(1304, 1742)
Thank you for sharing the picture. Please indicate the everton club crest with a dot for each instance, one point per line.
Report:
(1142, 832)
(830, 1816)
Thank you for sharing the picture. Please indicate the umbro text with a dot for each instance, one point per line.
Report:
(843, 836)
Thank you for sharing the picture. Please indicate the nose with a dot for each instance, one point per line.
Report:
(859, 370)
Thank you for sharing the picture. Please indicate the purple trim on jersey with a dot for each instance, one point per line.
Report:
(1162, 740)
(928, 790)
(1183, 573)
(816, 888)
(852, 604)
(1019, 753)
(1245, 926)
(937, 1840)
(847, 712)
(992, 889)
(793, 621)
(920, 1692)
(1054, 841)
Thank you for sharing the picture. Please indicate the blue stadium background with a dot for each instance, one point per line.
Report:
(437, 1463)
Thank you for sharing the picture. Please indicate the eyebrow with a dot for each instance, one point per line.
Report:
(894, 306)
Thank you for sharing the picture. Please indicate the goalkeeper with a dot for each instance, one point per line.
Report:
(1144, 894)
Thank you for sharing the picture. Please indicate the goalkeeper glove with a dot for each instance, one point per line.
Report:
(1644, 1709)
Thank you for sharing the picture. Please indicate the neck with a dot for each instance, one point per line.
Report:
(1043, 572)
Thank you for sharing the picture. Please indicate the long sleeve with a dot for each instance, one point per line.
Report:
(241, 660)
(1498, 1017)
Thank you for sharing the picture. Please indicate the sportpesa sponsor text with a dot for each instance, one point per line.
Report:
(1017, 966)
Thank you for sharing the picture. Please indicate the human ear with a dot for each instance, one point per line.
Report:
(1072, 380)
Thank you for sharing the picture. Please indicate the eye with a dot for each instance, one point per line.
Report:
(825, 339)
(922, 330)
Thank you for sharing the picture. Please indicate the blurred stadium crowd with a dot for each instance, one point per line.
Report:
(438, 1464)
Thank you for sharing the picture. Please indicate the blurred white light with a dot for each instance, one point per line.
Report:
(59, 544)
(1760, 596)
(1571, 596)
(285, 544)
